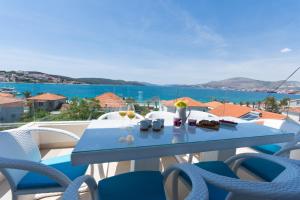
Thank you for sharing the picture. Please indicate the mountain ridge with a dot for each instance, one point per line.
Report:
(40, 77)
(242, 83)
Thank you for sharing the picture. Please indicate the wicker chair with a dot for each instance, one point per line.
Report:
(146, 185)
(26, 173)
(116, 116)
(169, 116)
(256, 167)
(223, 183)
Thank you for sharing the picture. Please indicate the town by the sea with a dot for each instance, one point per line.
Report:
(143, 93)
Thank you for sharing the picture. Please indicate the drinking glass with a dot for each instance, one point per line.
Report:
(131, 114)
(122, 113)
(130, 107)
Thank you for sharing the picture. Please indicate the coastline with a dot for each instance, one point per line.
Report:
(144, 93)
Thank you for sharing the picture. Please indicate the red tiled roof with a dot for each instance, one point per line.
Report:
(190, 102)
(2, 94)
(270, 115)
(110, 100)
(232, 110)
(239, 111)
(295, 110)
(47, 97)
(213, 104)
(9, 101)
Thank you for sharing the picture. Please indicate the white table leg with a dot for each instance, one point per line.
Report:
(145, 164)
(217, 155)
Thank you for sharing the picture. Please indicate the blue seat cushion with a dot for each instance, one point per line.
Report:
(217, 167)
(265, 169)
(146, 185)
(267, 149)
(34, 180)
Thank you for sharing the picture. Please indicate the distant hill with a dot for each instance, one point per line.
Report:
(40, 77)
(107, 81)
(241, 83)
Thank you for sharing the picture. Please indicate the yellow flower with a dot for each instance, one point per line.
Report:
(180, 104)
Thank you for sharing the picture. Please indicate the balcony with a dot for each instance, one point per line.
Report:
(52, 145)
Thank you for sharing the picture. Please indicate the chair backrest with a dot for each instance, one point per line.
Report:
(160, 114)
(199, 115)
(18, 144)
(116, 116)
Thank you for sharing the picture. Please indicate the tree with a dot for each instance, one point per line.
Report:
(241, 103)
(284, 102)
(80, 109)
(26, 94)
(130, 100)
(271, 105)
(259, 104)
(143, 110)
(253, 104)
(247, 103)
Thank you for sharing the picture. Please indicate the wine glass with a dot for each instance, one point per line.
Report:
(130, 111)
(131, 115)
(122, 113)
(130, 107)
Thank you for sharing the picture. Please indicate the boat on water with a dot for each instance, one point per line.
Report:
(9, 90)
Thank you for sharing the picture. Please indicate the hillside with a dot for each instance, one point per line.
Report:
(40, 77)
(107, 81)
(241, 83)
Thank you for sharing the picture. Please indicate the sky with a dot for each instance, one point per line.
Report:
(157, 41)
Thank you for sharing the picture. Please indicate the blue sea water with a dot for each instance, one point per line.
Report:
(143, 92)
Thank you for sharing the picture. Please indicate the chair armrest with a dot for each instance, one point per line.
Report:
(56, 130)
(287, 149)
(199, 189)
(72, 190)
(40, 168)
(284, 186)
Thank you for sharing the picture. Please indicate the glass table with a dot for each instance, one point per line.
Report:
(120, 140)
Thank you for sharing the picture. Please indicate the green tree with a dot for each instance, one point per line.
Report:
(253, 104)
(80, 109)
(143, 110)
(259, 104)
(284, 102)
(26, 94)
(130, 100)
(247, 103)
(271, 105)
(241, 103)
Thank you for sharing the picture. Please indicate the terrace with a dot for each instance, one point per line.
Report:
(52, 145)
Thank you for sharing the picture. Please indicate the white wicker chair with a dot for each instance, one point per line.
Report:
(167, 116)
(143, 186)
(20, 156)
(284, 186)
(199, 115)
(116, 116)
(284, 125)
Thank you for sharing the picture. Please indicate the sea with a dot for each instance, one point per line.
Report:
(143, 93)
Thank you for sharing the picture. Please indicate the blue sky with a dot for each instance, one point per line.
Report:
(158, 41)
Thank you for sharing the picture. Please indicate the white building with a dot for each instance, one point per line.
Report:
(294, 103)
(11, 109)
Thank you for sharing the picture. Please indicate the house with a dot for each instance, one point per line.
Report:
(2, 94)
(294, 103)
(11, 109)
(244, 112)
(293, 113)
(213, 104)
(48, 101)
(110, 102)
(192, 104)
